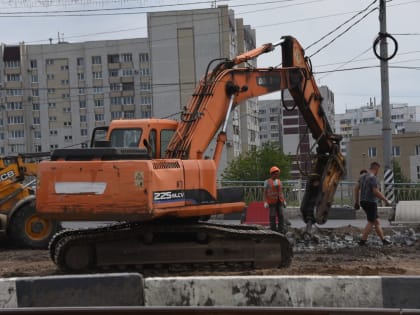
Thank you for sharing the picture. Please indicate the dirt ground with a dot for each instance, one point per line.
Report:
(396, 259)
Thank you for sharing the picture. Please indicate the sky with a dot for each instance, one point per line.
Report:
(338, 35)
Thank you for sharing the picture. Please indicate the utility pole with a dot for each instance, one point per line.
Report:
(386, 110)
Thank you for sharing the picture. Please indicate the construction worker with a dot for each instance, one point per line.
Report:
(366, 195)
(274, 200)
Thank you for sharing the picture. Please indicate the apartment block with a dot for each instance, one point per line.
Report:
(184, 46)
(52, 96)
(367, 120)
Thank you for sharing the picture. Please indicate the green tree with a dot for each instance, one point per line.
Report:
(254, 165)
(398, 174)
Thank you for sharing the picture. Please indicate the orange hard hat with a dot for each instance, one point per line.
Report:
(274, 169)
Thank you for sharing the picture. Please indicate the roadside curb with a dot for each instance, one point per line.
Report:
(115, 289)
(131, 289)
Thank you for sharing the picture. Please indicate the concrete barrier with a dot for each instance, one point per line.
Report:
(285, 291)
(408, 212)
(130, 289)
(116, 289)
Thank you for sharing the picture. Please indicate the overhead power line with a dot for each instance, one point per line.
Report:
(341, 25)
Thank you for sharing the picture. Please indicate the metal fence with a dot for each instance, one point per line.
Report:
(294, 189)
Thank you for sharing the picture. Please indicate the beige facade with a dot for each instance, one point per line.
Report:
(362, 150)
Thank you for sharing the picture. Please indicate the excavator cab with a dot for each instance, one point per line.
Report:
(151, 134)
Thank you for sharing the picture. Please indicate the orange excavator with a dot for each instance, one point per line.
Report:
(153, 175)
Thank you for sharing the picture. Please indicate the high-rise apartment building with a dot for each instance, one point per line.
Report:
(52, 96)
(367, 120)
(184, 45)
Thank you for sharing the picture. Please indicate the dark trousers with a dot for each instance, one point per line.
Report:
(276, 212)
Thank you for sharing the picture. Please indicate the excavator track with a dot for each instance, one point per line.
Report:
(157, 248)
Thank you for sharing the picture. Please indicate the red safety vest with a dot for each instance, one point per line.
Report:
(274, 193)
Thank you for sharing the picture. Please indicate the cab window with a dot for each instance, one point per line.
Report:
(124, 138)
(152, 142)
(165, 137)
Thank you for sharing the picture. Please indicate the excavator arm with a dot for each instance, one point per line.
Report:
(220, 91)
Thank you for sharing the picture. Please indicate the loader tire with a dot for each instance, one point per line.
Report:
(27, 229)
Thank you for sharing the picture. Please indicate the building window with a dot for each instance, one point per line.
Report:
(35, 92)
(82, 91)
(396, 151)
(81, 76)
(96, 60)
(65, 67)
(38, 148)
(82, 104)
(99, 103)
(80, 61)
(114, 86)
(49, 61)
(129, 115)
(145, 100)
(145, 86)
(97, 74)
(116, 115)
(34, 78)
(67, 124)
(33, 64)
(418, 149)
(144, 71)
(36, 120)
(53, 132)
(15, 120)
(83, 118)
(144, 57)
(113, 58)
(13, 77)
(372, 151)
(37, 134)
(83, 132)
(14, 92)
(50, 76)
(35, 106)
(97, 89)
(68, 138)
(53, 147)
(12, 64)
(99, 117)
(14, 105)
(52, 105)
(128, 100)
(127, 72)
(113, 73)
(127, 57)
(13, 134)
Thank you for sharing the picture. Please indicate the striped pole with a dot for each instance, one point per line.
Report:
(389, 190)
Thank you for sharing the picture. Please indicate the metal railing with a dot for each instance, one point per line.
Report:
(294, 190)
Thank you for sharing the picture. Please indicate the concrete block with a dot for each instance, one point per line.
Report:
(408, 212)
(114, 289)
(280, 291)
(8, 293)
